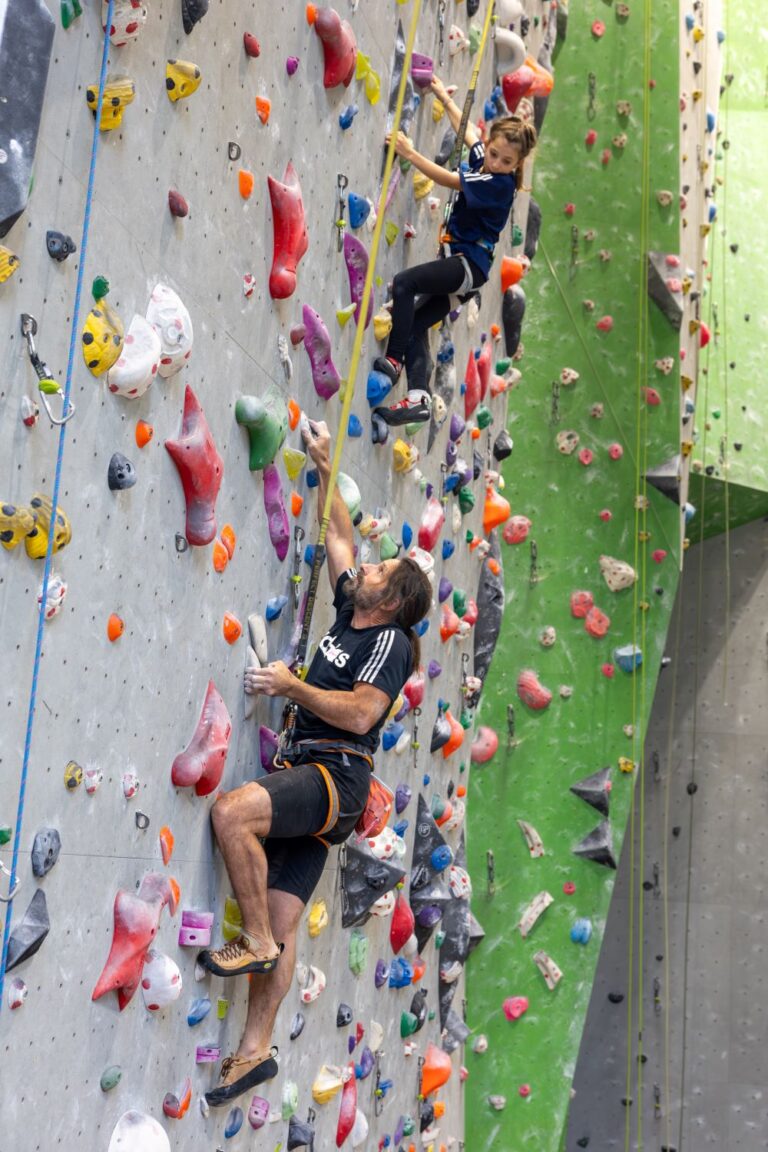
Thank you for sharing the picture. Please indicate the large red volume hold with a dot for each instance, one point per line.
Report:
(471, 386)
(339, 48)
(202, 761)
(484, 368)
(136, 919)
(403, 923)
(290, 231)
(515, 85)
(348, 1105)
(200, 469)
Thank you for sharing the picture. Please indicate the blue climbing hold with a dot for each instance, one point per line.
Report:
(391, 735)
(312, 478)
(426, 779)
(581, 932)
(400, 973)
(407, 536)
(347, 116)
(448, 546)
(354, 427)
(689, 21)
(421, 627)
(401, 827)
(359, 209)
(689, 511)
(198, 1010)
(629, 657)
(441, 857)
(711, 121)
(377, 388)
(275, 605)
(309, 555)
(234, 1123)
(451, 483)
(446, 352)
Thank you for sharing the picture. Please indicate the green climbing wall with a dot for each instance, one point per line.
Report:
(586, 725)
(730, 412)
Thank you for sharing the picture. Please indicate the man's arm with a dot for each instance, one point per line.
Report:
(339, 540)
(356, 711)
(453, 111)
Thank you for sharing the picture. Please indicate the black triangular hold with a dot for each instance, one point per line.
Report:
(597, 845)
(455, 1031)
(301, 1134)
(666, 478)
(364, 879)
(428, 837)
(666, 300)
(30, 932)
(490, 609)
(512, 315)
(476, 932)
(696, 67)
(595, 790)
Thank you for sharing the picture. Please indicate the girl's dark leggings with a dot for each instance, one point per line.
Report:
(435, 282)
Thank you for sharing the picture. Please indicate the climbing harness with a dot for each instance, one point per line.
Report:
(74, 342)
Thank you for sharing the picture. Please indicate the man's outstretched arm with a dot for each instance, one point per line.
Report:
(339, 540)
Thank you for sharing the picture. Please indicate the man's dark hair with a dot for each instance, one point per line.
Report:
(410, 585)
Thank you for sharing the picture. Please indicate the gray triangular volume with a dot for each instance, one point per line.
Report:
(428, 837)
(595, 790)
(666, 478)
(476, 932)
(455, 1031)
(598, 846)
(30, 932)
(668, 300)
(364, 879)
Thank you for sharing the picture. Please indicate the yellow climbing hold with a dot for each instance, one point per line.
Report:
(391, 232)
(382, 324)
(422, 185)
(345, 314)
(438, 110)
(327, 1084)
(119, 92)
(73, 776)
(232, 924)
(626, 765)
(16, 522)
(685, 383)
(318, 917)
(103, 335)
(181, 79)
(698, 34)
(294, 461)
(404, 455)
(362, 66)
(373, 87)
(36, 542)
(9, 263)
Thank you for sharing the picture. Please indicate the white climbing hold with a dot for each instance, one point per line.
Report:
(533, 911)
(617, 574)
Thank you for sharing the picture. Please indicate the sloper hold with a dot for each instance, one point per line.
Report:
(339, 48)
(30, 931)
(192, 12)
(667, 299)
(512, 315)
(597, 845)
(26, 39)
(277, 517)
(595, 790)
(266, 422)
(365, 879)
(666, 478)
(290, 233)
(137, 1132)
(202, 761)
(356, 259)
(317, 343)
(136, 918)
(200, 470)
(45, 851)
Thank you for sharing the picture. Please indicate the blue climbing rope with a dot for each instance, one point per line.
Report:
(73, 342)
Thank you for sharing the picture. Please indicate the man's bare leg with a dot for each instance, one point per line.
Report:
(239, 818)
(267, 993)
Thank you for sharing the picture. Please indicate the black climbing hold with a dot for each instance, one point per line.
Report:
(364, 880)
(30, 932)
(26, 38)
(512, 314)
(737, 446)
(297, 1025)
(301, 1133)
(121, 473)
(594, 790)
(192, 12)
(181, 542)
(419, 1008)
(142, 821)
(710, 469)
(426, 1115)
(676, 830)
(234, 151)
(532, 229)
(441, 732)
(343, 1016)
(642, 1058)
(478, 464)
(692, 788)
(647, 885)
(626, 1101)
(666, 478)
(445, 151)
(597, 845)
(668, 302)
(502, 445)
(583, 1141)
(490, 609)
(59, 245)
(615, 997)
(472, 7)
(45, 851)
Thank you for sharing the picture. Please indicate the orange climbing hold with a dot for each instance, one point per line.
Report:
(229, 539)
(449, 623)
(294, 415)
(220, 556)
(419, 967)
(166, 843)
(245, 183)
(311, 13)
(263, 108)
(496, 510)
(115, 627)
(435, 1071)
(297, 503)
(512, 271)
(456, 738)
(231, 627)
(144, 433)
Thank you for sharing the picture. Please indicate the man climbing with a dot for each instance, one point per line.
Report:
(357, 672)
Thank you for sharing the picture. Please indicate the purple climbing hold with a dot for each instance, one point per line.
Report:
(457, 427)
(444, 589)
(291, 64)
(381, 973)
(403, 795)
(366, 1064)
(317, 342)
(356, 258)
(267, 747)
(422, 70)
(277, 517)
(434, 669)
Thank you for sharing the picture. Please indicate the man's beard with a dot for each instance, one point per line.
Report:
(367, 599)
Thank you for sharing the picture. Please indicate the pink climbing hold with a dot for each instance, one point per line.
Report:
(356, 259)
(277, 517)
(516, 530)
(268, 743)
(318, 345)
(615, 451)
(431, 526)
(608, 670)
(586, 456)
(339, 47)
(347, 1105)
(202, 761)
(605, 157)
(604, 324)
(514, 1007)
(200, 469)
(524, 1090)
(484, 366)
(532, 692)
(581, 602)
(422, 70)
(606, 515)
(569, 208)
(403, 923)
(413, 689)
(591, 138)
(136, 917)
(658, 556)
(598, 29)
(484, 746)
(516, 85)
(290, 233)
(471, 613)
(652, 397)
(471, 386)
(291, 65)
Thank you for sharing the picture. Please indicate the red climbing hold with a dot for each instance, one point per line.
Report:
(177, 205)
(471, 386)
(596, 623)
(581, 602)
(516, 85)
(347, 1105)
(532, 692)
(431, 526)
(251, 45)
(403, 923)
(449, 623)
(658, 556)
(514, 1007)
(339, 47)
(200, 469)
(290, 232)
(516, 530)
(652, 397)
(136, 918)
(413, 689)
(591, 138)
(202, 761)
(472, 612)
(484, 746)
(484, 365)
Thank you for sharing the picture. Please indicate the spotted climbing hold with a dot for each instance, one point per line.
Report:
(119, 92)
(102, 338)
(182, 78)
(532, 692)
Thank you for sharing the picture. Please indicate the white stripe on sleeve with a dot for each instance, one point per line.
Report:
(378, 657)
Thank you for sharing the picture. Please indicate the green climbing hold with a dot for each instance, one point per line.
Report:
(409, 1126)
(408, 1024)
(439, 939)
(358, 953)
(466, 500)
(517, 235)
(716, 413)
(70, 10)
(475, 36)
(266, 422)
(100, 287)
(483, 416)
(5, 834)
(111, 1077)
(350, 493)
(459, 601)
(503, 366)
(465, 719)
(388, 548)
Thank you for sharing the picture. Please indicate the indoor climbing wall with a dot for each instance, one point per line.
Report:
(591, 560)
(178, 286)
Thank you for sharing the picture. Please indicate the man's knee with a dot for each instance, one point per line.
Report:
(245, 809)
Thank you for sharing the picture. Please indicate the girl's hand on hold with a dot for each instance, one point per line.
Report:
(403, 146)
(439, 90)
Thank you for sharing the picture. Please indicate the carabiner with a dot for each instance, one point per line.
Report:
(12, 888)
(45, 382)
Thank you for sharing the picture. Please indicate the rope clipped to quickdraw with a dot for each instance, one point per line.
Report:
(454, 159)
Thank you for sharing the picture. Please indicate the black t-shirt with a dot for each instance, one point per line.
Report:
(380, 655)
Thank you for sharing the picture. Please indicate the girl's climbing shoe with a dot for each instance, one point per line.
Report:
(412, 409)
(390, 368)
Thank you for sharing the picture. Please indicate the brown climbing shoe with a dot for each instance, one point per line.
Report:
(241, 1073)
(238, 958)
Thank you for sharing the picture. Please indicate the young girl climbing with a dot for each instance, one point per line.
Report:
(486, 192)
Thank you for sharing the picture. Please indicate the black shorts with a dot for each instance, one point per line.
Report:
(307, 818)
